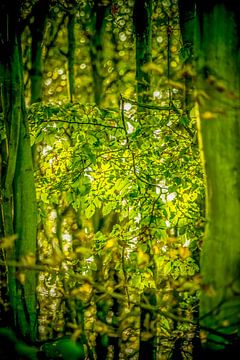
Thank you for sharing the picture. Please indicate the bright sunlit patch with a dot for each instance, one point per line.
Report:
(83, 66)
(171, 196)
(173, 64)
(157, 133)
(167, 223)
(46, 149)
(138, 218)
(67, 237)
(157, 95)
(130, 128)
(187, 243)
(127, 106)
(48, 82)
(122, 36)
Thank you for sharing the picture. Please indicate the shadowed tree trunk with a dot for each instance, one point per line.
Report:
(103, 340)
(40, 13)
(218, 84)
(187, 23)
(186, 20)
(96, 48)
(71, 56)
(143, 31)
(18, 191)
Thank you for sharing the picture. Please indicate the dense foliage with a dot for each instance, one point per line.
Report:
(120, 196)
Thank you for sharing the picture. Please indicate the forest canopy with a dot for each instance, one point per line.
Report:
(119, 170)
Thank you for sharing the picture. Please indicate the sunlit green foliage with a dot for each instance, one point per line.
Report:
(120, 191)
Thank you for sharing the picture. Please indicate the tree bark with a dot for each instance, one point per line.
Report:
(218, 85)
(71, 56)
(186, 21)
(18, 191)
(142, 17)
(143, 32)
(37, 28)
(96, 48)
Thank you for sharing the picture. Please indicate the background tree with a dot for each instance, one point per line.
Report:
(217, 53)
(18, 189)
(37, 27)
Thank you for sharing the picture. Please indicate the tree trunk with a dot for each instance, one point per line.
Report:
(71, 57)
(40, 13)
(186, 21)
(25, 226)
(18, 191)
(143, 31)
(96, 48)
(218, 85)
(142, 17)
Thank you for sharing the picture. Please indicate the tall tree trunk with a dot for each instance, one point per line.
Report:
(37, 28)
(143, 32)
(18, 192)
(96, 48)
(186, 21)
(25, 226)
(71, 56)
(218, 88)
(40, 14)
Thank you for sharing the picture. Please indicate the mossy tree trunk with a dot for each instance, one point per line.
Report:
(218, 84)
(17, 186)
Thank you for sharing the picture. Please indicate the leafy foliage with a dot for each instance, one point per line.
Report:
(119, 188)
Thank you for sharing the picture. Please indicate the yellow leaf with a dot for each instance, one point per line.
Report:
(152, 67)
(21, 277)
(142, 258)
(7, 242)
(226, 323)
(110, 243)
(83, 291)
(156, 250)
(176, 84)
(77, 333)
(28, 260)
(208, 115)
(184, 252)
(173, 254)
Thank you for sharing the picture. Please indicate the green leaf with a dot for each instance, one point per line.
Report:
(167, 268)
(108, 208)
(90, 210)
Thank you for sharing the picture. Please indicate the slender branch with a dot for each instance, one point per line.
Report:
(131, 152)
(153, 107)
(99, 288)
(80, 123)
